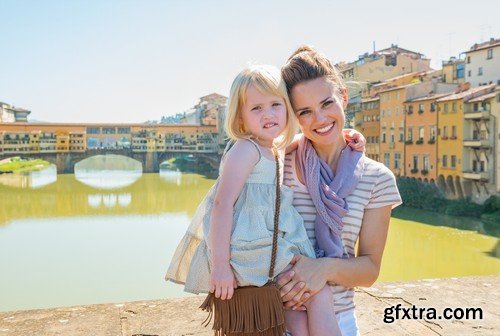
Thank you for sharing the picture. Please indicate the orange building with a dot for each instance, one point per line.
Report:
(421, 137)
(370, 126)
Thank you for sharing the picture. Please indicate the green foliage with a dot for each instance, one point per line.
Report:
(420, 195)
(17, 165)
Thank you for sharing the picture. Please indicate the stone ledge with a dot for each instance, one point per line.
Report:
(182, 317)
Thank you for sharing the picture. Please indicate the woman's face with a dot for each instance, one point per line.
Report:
(319, 108)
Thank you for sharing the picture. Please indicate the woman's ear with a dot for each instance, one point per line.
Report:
(345, 98)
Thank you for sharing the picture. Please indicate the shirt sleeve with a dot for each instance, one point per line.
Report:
(385, 191)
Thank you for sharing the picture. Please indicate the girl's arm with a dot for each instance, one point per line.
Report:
(238, 164)
(354, 139)
(362, 270)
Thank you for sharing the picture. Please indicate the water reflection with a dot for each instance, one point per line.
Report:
(171, 176)
(108, 172)
(109, 200)
(30, 180)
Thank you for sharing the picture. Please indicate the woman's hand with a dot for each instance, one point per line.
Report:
(222, 282)
(306, 278)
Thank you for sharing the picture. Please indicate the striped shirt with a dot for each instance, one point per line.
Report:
(376, 188)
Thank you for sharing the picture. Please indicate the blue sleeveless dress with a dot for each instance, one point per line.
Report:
(251, 236)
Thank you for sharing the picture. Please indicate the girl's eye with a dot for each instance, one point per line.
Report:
(256, 108)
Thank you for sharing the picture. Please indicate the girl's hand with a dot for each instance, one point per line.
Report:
(354, 139)
(222, 282)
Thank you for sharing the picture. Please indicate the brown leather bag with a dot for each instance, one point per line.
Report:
(252, 311)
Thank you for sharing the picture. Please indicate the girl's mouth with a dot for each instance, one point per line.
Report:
(269, 125)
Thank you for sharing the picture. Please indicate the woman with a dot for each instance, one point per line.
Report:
(357, 202)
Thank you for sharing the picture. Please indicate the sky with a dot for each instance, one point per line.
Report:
(132, 61)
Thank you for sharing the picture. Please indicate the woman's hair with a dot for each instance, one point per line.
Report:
(307, 64)
(267, 79)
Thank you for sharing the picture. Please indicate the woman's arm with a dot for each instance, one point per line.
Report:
(361, 270)
(238, 164)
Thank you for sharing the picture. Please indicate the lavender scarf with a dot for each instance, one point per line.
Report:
(328, 191)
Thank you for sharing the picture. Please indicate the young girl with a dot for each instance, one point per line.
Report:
(229, 240)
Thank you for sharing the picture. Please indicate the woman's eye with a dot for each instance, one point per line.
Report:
(277, 104)
(304, 112)
(327, 103)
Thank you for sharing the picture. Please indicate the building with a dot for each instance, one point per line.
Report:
(451, 138)
(454, 71)
(206, 111)
(10, 114)
(18, 138)
(383, 64)
(482, 63)
(376, 67)
(421, 137)
(369, 126)
(480, 155)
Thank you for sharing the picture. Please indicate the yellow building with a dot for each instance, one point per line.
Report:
(451, 141)
(62, 141)
(454, 71)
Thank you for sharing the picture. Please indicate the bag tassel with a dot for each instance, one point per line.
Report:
(252, 311)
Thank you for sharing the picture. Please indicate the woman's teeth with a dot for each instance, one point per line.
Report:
(325, 129)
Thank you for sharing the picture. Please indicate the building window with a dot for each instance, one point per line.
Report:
(401, 136)
(445, 108)
(433, 107)
(453, 132)
(397, 160)
(468, 59)
(421, 133)
(415, 162)
(410, 134)
(469, 73)
(454, 106)
(392, 136)
(490, 54)
(420, 108)
(480, 71)
(445, 132)
(445, 161)
(432, 133)
(383, 137)
(460, 70)
(387, 159)
(426, 163)
(453, 161)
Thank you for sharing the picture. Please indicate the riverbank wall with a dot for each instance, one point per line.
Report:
(181, 316)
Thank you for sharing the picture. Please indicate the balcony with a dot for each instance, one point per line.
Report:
(424, 172)
(476, 176)
(419, 141)
(414, 171)
(409, 142)
(477, 143)
(431, 141)
(484, 115)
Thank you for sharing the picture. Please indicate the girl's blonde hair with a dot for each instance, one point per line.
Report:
(267, 79)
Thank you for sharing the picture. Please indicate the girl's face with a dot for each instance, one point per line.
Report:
(263, 115)
(319, 108)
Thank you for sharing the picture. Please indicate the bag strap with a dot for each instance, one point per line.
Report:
(276, 216)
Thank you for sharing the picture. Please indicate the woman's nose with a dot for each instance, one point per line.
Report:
(319, 115)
